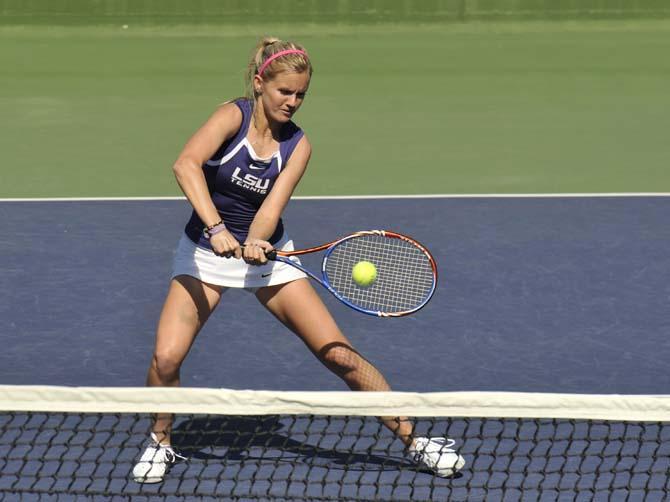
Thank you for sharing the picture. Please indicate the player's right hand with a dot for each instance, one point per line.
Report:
(224, 244)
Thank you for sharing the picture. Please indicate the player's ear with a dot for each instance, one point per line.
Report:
(258, 85)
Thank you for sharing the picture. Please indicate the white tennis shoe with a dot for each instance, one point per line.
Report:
(437, 455)
(155, 462)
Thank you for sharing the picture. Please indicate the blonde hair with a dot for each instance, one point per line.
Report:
(266, 48)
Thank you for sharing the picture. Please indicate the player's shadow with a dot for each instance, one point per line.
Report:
(266, 439)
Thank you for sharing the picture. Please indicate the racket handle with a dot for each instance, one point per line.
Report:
(270, 255)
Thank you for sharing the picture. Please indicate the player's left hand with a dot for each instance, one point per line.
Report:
(254, 251)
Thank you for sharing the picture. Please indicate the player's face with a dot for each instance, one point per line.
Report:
(283, 95)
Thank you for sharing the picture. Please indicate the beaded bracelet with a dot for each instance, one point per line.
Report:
(214, 229)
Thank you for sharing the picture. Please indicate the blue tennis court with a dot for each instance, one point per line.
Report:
(556, 294)
(535, 295)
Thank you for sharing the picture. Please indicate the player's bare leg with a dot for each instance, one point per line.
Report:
(300, 308)
(188, 305)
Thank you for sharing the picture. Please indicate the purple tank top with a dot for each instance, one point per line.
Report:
(238, 180)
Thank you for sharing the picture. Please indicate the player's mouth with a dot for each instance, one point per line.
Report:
(288, 113)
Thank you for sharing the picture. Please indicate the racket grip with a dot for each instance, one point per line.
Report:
(270, 255)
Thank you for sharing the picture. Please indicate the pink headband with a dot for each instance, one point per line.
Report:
(275, 56)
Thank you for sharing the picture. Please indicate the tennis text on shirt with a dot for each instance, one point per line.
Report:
(250, 182)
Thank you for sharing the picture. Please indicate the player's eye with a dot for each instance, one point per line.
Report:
(289, 92)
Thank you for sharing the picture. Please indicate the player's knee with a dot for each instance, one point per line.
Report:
(166, 364)
(341, 359)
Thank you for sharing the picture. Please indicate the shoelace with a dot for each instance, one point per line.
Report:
(445, 442)
(170, 455)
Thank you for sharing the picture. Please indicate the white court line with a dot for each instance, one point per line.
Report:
(358, 197)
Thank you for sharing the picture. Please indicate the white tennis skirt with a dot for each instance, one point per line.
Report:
(203, 264)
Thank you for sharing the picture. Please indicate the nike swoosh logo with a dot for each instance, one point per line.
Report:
(266, 275)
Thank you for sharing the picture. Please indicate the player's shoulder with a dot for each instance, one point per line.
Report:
(232, 112)
(229, 111)
(303, 147)
(225, 121)
(304, 142)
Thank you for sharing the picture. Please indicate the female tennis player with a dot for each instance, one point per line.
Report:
(238, 171)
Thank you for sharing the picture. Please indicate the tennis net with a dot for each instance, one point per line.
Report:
(261, 445)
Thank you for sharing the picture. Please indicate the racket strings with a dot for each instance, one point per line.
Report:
(405, 276)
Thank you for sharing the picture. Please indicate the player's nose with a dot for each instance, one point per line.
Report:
(292, 101)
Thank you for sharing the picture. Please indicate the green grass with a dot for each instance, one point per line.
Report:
(445, 108)
(323, 12)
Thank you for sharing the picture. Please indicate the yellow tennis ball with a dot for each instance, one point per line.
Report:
(364, 273)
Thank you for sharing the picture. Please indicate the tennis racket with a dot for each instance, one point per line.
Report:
(406, 272)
